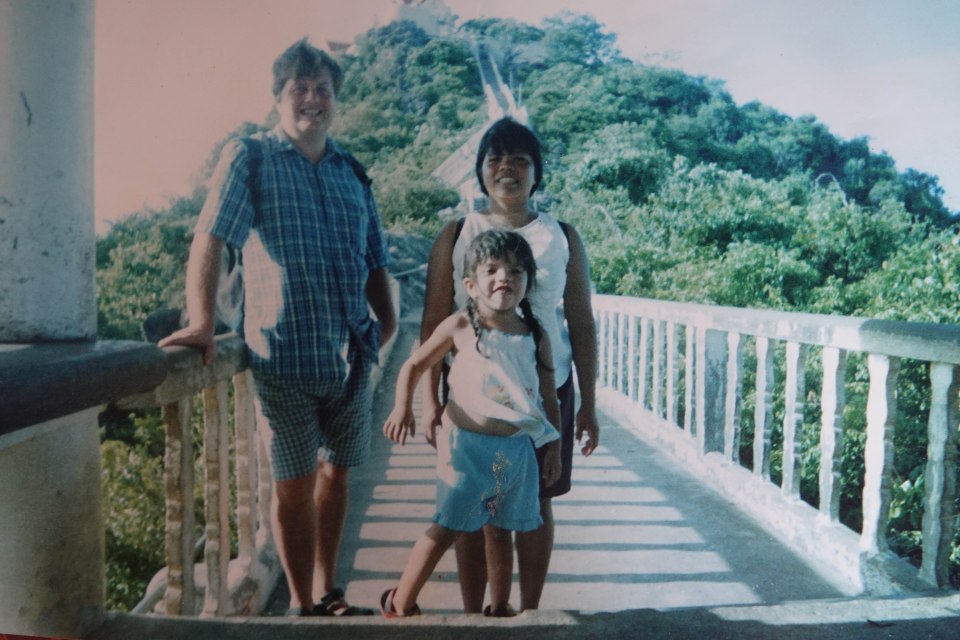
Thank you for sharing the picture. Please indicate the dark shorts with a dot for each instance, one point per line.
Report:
(329, 421)
(567, 398)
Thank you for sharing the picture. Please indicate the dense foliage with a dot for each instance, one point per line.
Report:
(679, 192)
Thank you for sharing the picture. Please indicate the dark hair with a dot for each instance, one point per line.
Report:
(303, 60)
(500, 244)
(506, 135)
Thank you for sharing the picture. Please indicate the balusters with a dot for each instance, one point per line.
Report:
(878, 452)
(690, 380)
(264, 483)
(656, 370)
(711, 385)
(644, 370)
(940, 512)
(632, 392)
(832, 402)
(217, 492)
(178, 476)
(731, 414)
(793, 418)
(246, 468)
(673, 374)
(763, 411)
(647, 371)
(607, 336)
(623, 355)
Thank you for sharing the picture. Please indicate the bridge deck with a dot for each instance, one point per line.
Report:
(634, 532)
(636, 537)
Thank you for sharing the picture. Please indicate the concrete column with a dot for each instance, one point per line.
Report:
(51, 532)
(47, 257)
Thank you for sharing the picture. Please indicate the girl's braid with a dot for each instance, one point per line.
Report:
(473, 314)
(526, 313)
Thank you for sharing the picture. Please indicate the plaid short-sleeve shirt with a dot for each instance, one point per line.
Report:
(309, 239)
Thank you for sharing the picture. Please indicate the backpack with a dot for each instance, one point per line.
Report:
(228, 308)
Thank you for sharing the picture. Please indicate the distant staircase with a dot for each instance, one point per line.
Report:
(457, 171)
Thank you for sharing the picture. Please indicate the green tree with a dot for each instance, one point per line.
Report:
(578, 39)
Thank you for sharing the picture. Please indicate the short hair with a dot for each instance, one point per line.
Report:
(506, 135)
(303, 60)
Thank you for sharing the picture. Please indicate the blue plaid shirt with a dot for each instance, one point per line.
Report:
(308, 247)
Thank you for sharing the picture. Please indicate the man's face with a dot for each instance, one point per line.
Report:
(306, 105)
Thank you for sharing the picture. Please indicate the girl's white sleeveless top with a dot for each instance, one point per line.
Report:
(500, 381)
(552, 253)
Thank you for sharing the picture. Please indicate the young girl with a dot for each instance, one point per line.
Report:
(502, 403)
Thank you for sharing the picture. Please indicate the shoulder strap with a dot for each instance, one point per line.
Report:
(457, 230)
(566, 230)
(358, 168)
(254, 158)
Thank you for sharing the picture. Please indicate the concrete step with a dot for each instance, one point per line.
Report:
(914, 618)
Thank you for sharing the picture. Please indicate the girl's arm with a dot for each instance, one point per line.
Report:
(552, 464)
(400, 423)
(437, 305)
(583, 340)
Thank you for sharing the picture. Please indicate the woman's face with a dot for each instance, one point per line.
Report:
(508, 175)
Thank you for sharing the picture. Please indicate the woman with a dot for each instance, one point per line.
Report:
(509, 168)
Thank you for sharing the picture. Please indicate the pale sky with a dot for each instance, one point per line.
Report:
(175, 76)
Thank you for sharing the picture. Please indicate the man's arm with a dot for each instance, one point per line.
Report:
(378, 295)
(203, 273)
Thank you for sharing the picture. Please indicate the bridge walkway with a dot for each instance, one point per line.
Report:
(634, 532)
(643, 550)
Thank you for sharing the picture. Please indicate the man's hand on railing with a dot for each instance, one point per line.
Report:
(197, 337)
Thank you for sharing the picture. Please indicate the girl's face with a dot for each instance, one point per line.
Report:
(498, 284)
(508, 175)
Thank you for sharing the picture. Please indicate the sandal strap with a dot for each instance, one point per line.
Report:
(334, 604)
(388, 609)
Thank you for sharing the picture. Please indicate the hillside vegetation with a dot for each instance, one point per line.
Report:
(679, 192)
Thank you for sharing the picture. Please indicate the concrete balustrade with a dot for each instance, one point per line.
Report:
(226, 587)
(223, 585)
(708, 438)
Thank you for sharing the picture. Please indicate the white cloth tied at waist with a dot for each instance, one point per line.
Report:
(501, 382)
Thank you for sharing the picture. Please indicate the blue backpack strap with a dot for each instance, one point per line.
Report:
(254, 159)
(358, 169)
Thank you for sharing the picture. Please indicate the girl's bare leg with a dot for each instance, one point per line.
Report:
(499, 554)
(426, 553)
(472, 570)
(533, 557)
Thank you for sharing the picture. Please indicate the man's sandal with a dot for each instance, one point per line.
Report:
(333, 604)
(502, 611)
(389, 611)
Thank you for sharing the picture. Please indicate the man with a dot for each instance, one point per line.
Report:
(314, 256)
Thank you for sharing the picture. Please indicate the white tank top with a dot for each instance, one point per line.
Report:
(551, 251)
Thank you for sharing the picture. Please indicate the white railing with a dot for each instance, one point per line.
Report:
(677, 370)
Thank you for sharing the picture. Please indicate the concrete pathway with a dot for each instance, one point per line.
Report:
(634, 532)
